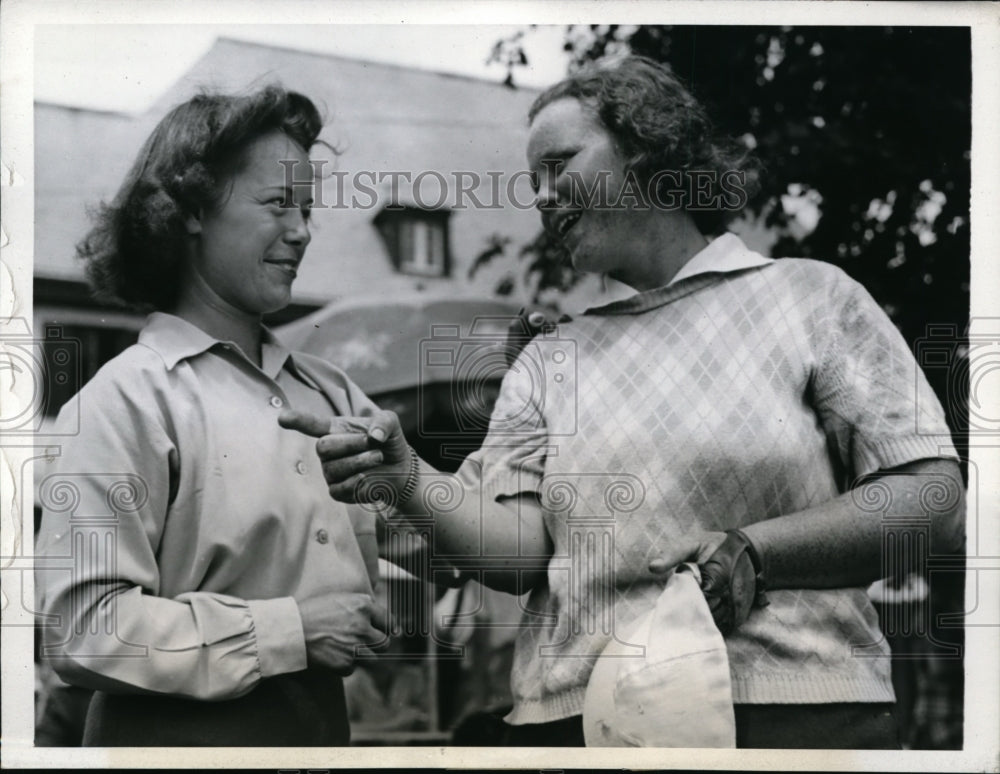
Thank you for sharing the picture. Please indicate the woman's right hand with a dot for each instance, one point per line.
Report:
(337, 625)
(360, 455)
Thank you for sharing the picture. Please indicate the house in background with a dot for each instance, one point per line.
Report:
(438, 129)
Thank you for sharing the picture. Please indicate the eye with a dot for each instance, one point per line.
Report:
(306, 212)
(558, 161)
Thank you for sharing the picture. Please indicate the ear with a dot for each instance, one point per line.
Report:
(192, 224)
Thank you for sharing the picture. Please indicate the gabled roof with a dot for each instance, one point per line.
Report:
(287, 64)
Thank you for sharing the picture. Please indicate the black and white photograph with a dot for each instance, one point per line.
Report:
(412, 385)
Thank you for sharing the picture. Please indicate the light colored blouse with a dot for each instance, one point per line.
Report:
(181, 522)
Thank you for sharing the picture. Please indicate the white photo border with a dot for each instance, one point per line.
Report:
(18, 19)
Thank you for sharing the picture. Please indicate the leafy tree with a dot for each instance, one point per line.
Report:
(865, 129)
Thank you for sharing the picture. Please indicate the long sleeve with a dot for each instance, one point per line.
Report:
(105, 509)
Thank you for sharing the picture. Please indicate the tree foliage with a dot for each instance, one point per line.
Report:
(864, 133)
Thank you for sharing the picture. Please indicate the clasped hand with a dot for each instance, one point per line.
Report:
(728, 577)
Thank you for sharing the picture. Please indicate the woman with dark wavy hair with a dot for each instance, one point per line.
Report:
(765, 417)
(234, 593)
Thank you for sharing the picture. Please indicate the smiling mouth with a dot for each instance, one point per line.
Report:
(565, 223)
(290, 267)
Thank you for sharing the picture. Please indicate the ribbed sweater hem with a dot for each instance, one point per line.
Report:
(814, 689)
(774, 689)
(563, 705)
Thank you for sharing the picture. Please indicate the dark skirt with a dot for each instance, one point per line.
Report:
(303, 709)
(817, 726)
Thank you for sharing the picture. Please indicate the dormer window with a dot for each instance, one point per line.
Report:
(417, 240)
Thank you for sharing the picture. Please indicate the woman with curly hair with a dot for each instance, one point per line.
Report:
(766, 418)
(234, 593)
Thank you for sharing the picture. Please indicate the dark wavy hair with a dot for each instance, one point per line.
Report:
(659, 126)
(135, 250)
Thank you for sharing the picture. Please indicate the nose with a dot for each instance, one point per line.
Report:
(297, 232)
(546, 197)
(554, 185)
(546, 200)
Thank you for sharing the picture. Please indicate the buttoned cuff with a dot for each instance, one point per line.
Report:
(281, 643)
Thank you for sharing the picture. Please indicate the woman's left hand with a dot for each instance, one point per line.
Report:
(728, 577)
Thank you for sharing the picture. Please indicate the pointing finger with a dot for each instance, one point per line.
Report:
(310, 424)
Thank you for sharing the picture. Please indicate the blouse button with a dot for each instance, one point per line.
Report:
(322, 536)
(276, 402)
(300, 468)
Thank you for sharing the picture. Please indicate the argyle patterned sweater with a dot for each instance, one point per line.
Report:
(713, 403)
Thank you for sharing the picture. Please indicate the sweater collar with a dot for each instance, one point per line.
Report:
(175, 339)
(723, 255)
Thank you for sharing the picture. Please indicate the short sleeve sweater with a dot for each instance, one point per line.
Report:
(736, 394)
